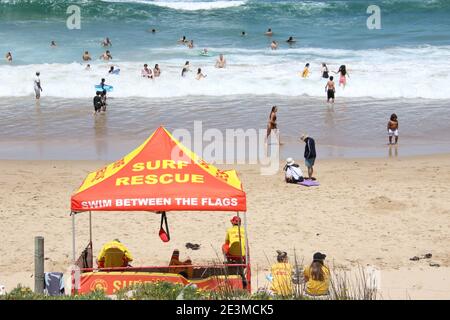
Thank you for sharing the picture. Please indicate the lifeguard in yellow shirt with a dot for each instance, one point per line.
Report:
(234, 247)
(114, 255)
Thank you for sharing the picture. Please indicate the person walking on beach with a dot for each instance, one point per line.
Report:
(330, 90)
(37, 86)
(392, 128)
(310, 154)
(8, 57)
(272, 124)
(86, 56)
(325, 72)
(221, 62)
(343, 75)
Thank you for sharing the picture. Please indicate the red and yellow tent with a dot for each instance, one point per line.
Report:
(160, 175)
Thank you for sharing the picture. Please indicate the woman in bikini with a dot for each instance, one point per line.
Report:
(344, 74)
(272, 124)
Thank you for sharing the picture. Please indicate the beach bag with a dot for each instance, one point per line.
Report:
(164, 234)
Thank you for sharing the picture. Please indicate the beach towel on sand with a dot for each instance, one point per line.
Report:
(309, 183)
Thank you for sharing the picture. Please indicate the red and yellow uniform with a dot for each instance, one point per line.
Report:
(114, 255)
(282, 279)
(232, 241)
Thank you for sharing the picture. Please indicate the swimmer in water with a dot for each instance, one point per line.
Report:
(147, 72)
(183, 40)
(106, 42)
(106, 56)
(111, 70)
(274, 45)
(343, 75)
(325, 72)
(86, 56)
(53, 44)
(243, 34)
(185, 69)
(330, 89)
(156, 71)
(305, 72)
(88, 67)
(200, 75)
(8, 57)
(221, 62)
(269, 32)
(204, 52)
(291, 40)
(191, 44)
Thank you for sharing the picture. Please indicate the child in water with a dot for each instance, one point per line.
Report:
(305, 72)
(392, 128)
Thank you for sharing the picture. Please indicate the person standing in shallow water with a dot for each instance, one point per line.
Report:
(272, 124)
(392, 128)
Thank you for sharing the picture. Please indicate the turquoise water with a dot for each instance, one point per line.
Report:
(413, 42)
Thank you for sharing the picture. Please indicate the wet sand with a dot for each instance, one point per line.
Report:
(372, 211)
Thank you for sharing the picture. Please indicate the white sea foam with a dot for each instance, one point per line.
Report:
(188, 5)
(390, 73)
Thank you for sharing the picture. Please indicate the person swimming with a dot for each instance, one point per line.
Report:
(185, 69)
(274, 45)
(106, 42)
(88, 67)
(183, 40)
(8, 57)
(191, 44)
(243, 33)
(291, 40)
(86, 56)
(200, 75)
(156, 71)
(305, 72)
(53, 44)
(269, 32)
(221, 62)
(106, 56)
(111, 70)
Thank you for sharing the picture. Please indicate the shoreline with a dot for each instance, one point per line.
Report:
(371, 211)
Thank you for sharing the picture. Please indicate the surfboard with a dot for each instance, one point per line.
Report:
(106, 87)
(203, 54)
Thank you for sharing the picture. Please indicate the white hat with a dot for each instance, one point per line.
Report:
(303, 137)
(290, 161)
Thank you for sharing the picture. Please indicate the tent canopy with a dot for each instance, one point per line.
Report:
(160, 175)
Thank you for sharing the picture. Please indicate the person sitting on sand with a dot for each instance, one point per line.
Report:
(146, 72)
(106, 56)
(234, 246)
(114, 255)
(8, 57)
(106, 42)
(305, 73)
(310, 154)
(269, 32)
(156, 71)
(97, 102)
(200, 75)
(317, 276)
(221, 62)
(86, 56)
(281, 274)
(293, 173)
(330, 89)
(392, 128)
(187, 271)
(274, 45)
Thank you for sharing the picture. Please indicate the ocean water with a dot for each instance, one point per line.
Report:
(407, 58)
(404, 67)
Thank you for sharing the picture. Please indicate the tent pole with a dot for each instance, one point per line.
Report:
(90, 238)
(247, 255)
(73, 237)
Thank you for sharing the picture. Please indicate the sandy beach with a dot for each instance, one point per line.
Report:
(378, 212)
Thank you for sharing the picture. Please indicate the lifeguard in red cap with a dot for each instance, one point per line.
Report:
(234, 247)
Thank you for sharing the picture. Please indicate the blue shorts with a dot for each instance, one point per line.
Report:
(310, 162)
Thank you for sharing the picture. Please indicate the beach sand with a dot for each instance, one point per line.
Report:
(377, 212)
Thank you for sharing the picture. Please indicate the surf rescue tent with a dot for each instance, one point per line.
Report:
(160, 175)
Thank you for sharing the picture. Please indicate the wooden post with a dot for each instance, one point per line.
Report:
(39, 265)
